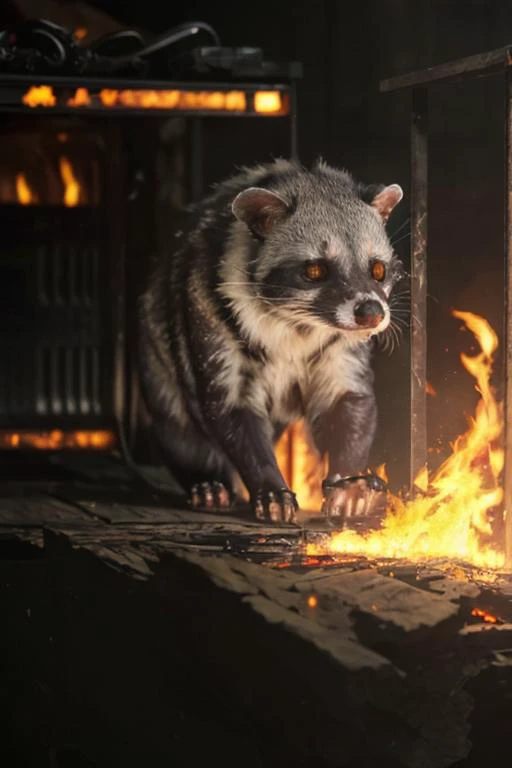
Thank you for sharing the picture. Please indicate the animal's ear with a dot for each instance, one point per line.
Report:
(385, 200)
(259, 209)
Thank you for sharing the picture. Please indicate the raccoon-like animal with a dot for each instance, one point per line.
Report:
(261, 314)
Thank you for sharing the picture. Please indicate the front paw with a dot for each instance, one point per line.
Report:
(278, 506)
(355, 502)
(210, 496)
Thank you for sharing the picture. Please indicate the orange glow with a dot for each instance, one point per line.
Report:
(57, 440)
(268, 102)
(80, 99)
(71, 185)
(487, 617)
(312, 601)
(212, 101)
(40, 96)
(301, 466)
(23, 192)
(262, 103)
(381, 472)
(80, 33)
(453, 519)
(429, 389)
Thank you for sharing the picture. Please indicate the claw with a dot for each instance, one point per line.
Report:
(355, 502)
(275, 506)
(210, 495)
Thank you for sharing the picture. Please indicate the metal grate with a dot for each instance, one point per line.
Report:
(55, 346)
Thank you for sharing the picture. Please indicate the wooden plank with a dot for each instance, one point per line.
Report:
(36, 511)
(478, 65)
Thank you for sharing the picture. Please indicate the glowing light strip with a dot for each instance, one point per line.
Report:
(56, 439)
(270, 102)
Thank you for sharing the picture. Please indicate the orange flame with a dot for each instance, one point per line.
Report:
(485, 615)
(86, 439)
(429, 389)
(71, 185)
(23, 191)
(453, 519)
(81, 98)
(40, 96)
(300, 465)
(382, 473)
(231, 101)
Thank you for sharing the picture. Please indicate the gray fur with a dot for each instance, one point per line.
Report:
(236, 342)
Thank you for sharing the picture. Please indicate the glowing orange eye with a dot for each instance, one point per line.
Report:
(378, 271)
(315, 270)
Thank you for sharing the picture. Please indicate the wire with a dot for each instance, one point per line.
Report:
(173, 36)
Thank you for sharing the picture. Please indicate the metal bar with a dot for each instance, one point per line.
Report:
(507, 472)
(197, 159)
(294, 147)
(419, 178)
(115, 192)
(480, 64)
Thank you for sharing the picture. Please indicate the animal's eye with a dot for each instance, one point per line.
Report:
(316, 271)
(378, 270)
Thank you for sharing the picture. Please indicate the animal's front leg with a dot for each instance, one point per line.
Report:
(247, 440)
(346, 433)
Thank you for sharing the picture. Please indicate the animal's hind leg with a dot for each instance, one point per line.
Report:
(202, 471)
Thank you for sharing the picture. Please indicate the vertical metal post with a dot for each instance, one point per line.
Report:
(507, 341)
(419, 179)
(294, 149)
(197, 159)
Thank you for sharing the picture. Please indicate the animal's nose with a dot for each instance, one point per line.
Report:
(369, 313)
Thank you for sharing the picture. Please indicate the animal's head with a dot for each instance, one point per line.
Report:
(324, 257)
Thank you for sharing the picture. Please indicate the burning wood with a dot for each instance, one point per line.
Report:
(452, 518)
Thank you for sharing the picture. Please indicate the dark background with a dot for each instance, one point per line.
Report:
(346, 48)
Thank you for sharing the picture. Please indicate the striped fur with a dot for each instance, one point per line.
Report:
(233, 337)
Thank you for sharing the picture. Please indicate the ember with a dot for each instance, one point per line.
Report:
(71, 185)
(453, 517)
(23, 192)
(487, 617)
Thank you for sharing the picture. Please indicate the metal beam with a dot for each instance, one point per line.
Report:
(479, 65)
(419, 194)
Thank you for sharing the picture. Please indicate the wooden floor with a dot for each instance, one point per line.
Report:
(391, 654)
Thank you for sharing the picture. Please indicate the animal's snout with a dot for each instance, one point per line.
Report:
(369, 314)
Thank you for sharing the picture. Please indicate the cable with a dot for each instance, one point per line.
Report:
(173, 36)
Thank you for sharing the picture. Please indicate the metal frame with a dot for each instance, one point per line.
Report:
(480, 65)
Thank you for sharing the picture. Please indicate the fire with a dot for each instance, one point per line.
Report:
(300, 465)
(71, 185)
(210, 101)
(40, 96)
(485, 615)
(452, 519)
(81, 98)
(271, 103)
(56, 439)
(23, 191)
(382, 473)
